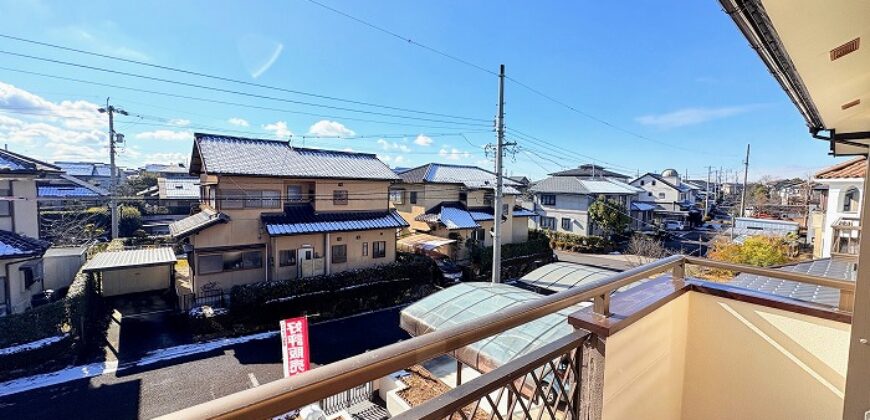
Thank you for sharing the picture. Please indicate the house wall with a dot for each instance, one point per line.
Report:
(651, 192)
(706, 357)
(134, 280)
(362, 195)
(571, 206)
(295, 242)
(520, 230)
(354, 242)
(837, 189)
(23, 218)
(19, 296)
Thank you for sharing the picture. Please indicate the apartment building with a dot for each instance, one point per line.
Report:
(21, 251)
(271, 211)
(457, 201)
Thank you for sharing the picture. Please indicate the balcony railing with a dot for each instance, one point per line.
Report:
(563, 379)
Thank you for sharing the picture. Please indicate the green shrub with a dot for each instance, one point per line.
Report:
(576, 243)
(129, 220)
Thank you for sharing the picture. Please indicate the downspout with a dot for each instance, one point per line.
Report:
(327, 252)
(7, 296)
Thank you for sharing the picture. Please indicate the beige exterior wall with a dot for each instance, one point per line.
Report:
(644, 366)
(24, 212)
(134, 280)
(296, 242)
(706, 357)
(362, 195)
(227, 279)
(354, 242)
(750, 361)
(242, 229)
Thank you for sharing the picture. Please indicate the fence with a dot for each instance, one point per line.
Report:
(348, 398)
(211, 297)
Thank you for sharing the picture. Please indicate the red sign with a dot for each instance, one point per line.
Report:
(294, 346)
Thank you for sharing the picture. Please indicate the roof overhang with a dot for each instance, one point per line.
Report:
(816, 52)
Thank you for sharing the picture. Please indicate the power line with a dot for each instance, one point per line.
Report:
(222, 90)
(231, 80)
(222, 102)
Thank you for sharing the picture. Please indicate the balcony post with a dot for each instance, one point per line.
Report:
(601, 304)
(857, 395)
(591, 389)
(679, 272)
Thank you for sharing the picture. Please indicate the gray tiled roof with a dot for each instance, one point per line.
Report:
(590, 170)
(575, 185)
(130, 258)
(470, 176)
(178, 188)
(192, 224)
(839, 269)
(216, 154)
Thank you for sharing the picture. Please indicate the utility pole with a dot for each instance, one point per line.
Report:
(113, 183)
(745, 176)
(707, 195)
(499, 151)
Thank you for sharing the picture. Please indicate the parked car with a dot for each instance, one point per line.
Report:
(449, 269)
(674, 225)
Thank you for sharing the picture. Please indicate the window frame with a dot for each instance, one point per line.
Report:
(379, 249)
(570, 224)
(342, 256)
(287, 262)
(400, 200)
(339, 197)
(365, 249)
(412, 197)
(548, 199)
(232, 199)
(548, 223)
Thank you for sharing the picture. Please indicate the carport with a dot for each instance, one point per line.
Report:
(132, 271)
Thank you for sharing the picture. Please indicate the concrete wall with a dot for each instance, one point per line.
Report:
(568, 206)
(644, 366)
(706, 357)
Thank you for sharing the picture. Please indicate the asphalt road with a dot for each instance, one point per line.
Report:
(163, 388)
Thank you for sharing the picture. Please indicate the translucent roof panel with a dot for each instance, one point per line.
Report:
(560, 276)
(466, 302)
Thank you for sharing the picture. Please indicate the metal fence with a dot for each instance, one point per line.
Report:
(348, 398)
(212, 297)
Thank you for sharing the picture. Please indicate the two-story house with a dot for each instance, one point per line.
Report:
(562, 201)
(836, 227)
(21, 250)
(672, 198)
(592, 171)
(457, 202)
(95, 173)
(272, 211)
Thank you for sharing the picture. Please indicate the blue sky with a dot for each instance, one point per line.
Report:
(678, 74)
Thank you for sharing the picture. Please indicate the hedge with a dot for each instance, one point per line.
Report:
(577, 243)
(516, 259)
(335, 295)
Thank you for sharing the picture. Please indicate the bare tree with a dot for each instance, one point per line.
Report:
(71, 228)
(642, 249)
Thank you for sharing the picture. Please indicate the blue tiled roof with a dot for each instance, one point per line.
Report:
(522, 212)
(15, 163)
(218, 154)
(13, 245)
(302, 219)
(65, 191)
(96, 169)
(481, 214)
(457, 218)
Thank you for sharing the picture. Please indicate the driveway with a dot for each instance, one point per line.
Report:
(144, 322)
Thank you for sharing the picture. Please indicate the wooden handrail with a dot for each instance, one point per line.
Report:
(274, 398)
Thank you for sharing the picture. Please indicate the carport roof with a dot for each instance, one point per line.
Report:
(113, 260)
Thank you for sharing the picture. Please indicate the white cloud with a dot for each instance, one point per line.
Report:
(452, 153)
(392, 145)
(395, 160)
(692, 116)
(326, 128)
(165, 135)
(279, 129)
(239, 122)
(180, 122)
(423, 140)
(105, 38)
(165, 157)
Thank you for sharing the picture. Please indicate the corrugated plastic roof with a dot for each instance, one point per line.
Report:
(839, 269)
(560, 276)
(13, 245)
(218, 154)
(302, 219)
(131, 258)
(197, 222)
(466, 302)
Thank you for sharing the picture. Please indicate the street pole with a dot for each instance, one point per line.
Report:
(745, 176)
(707, 195)
(113, 177)
(496, 231)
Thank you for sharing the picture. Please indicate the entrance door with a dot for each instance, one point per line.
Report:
(306, 262)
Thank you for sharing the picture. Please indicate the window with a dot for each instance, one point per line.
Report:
(287, 257)
(504, 209)
(642, 182)
(259, 199)
(31, 274)
(548, 223)
(397, 196)
(478, 235)
(412, 197)
(850, 200)
(649, 194)
(365, 249)
(548, 199)
(463, 196)
(682, 196)
(252, 259)
(339, 197)
(339, 254)
(487, 199)
(210, 263)
(212, 197)
(232, 261)
(271, 199)
(232, 199)
(661, 195)
(566, 224)
(653, 182)
(294, 194)
(379, 249)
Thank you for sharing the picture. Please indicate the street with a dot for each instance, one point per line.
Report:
(166, 387)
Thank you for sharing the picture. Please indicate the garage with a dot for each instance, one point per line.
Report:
(133, 271)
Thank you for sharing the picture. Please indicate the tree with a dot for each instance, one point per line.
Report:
(130, 221)
(643, 249)
(71, 227)
(609, 214)
(135, 184)
(760, 251)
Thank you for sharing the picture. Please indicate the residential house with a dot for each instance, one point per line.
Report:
(790, 191)
(589, 171)
(21, 251)
(672, 198)
(178, 195)
(836, 228)
(457, 202)
(562, 202)
(272, 211)
(59, 191)
(176, 170)
(95, 173)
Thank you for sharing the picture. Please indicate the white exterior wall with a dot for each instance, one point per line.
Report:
(837, 189)
(571, 206)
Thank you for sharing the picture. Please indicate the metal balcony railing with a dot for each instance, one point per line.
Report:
(557, 380)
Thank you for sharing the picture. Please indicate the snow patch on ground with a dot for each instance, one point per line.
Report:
(94, 369)
(33, 345)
